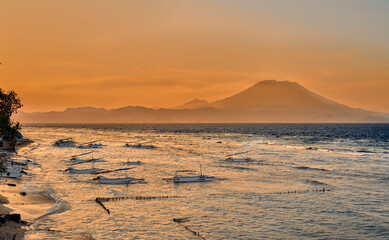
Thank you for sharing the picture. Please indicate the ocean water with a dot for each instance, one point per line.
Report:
(276, 196)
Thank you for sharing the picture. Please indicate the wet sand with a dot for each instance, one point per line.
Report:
(12, 230)
(9, 229)
(14, 199)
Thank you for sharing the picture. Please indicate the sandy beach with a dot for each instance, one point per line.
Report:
(20, 207)
(10, 229)
(15, 199)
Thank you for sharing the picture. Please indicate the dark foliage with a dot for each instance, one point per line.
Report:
(9, 104)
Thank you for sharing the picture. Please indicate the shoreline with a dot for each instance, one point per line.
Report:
(26, 205)
(30, 205)
(10, 229)
(20, 207)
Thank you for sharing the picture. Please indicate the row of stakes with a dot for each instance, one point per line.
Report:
(180, 221)
(113, 199)
(314, 190)
(101, 200)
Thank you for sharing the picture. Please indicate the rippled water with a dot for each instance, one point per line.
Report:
(351, 160)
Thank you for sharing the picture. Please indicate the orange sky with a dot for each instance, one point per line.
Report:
(59, 54)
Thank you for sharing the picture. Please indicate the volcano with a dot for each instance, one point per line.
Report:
(267, 101)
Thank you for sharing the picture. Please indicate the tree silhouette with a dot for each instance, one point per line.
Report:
(9, 104)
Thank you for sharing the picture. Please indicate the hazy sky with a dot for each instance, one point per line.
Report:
(59, 54)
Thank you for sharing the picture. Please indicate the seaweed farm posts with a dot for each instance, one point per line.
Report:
(180, 221)
(101, 200)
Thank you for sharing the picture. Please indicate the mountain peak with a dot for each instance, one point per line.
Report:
(193, 104)
(196, 100)
(83, 109)
(266, 101)
(278, 96)
(275, 83)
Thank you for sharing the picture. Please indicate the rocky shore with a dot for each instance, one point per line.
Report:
(18, 207)
(11, 225)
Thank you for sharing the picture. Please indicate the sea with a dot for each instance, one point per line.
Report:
(305, 181)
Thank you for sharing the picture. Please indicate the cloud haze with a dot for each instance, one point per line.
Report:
(59, 54)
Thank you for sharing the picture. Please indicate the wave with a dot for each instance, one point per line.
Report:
(240, 168)
(364, 150)
(29, 187)
(244, 168)
(117, 193)
(324, 150)
(308, 148)
(59, 207)
(85, 236)
(34, 146)
(359, 152)
(296, 146)
(314, 182)
(310, 168)
(356, 153)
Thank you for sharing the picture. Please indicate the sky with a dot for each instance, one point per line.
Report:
(73, 53)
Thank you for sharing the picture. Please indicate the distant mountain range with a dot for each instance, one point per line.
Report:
(194, 104)
(266, 101)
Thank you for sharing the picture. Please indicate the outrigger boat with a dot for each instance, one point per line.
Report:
(83, 171)
(11, 168)
(76, 160)
(178, 178)
(66, 142)
(140, 145)
(133, 162)
(18, 164)
(12, 172)
(91, 144)
(125, 180)
(231, 158)
(21, 160)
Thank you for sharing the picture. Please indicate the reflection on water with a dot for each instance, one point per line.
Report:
(352, 161)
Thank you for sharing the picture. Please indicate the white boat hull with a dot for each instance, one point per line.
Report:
(230, 159)
(90, 146)
(141, 146)
(134, 163)
(187, 179)
(126, 180)
(177, 178)
(76, 160)
(69, 144)
(12, 173)
(83, 171)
